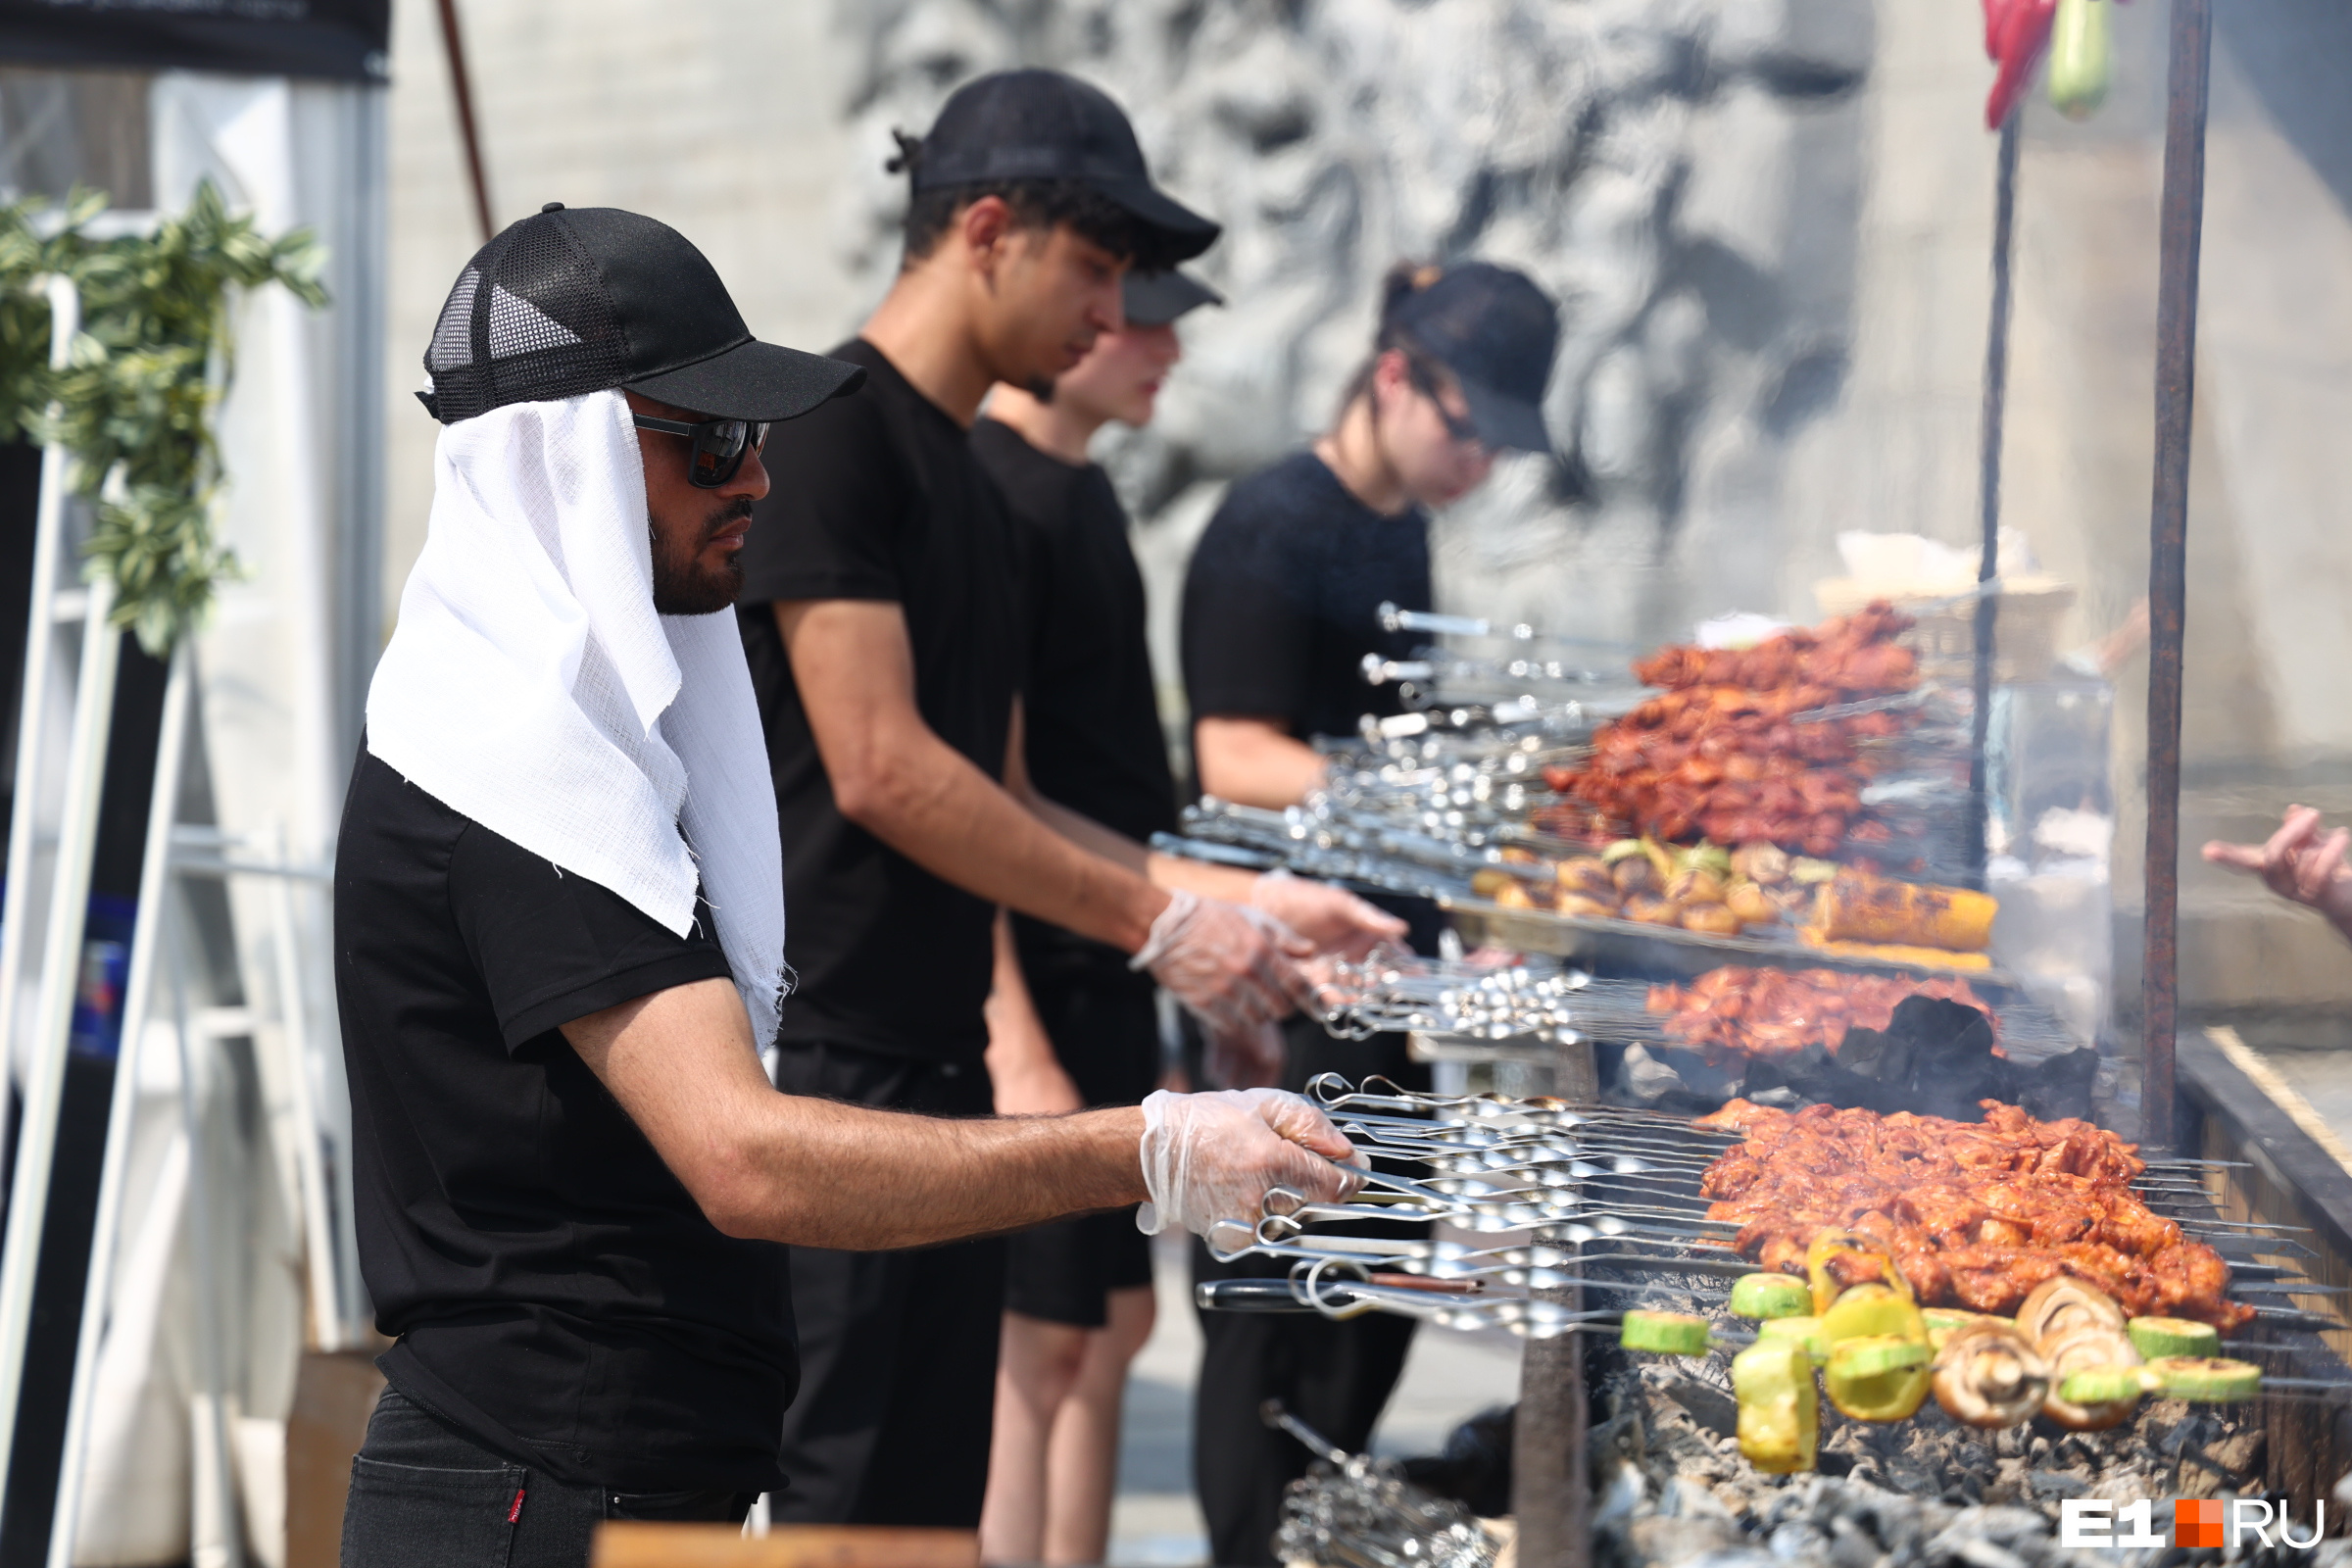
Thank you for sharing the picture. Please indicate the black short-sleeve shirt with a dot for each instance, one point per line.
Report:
(1094, 740)
(877, 496)
(1092, 719)
(554, 1288)
(1282, 601)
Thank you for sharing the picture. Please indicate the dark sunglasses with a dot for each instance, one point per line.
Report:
(719, 445)
(1424, 381)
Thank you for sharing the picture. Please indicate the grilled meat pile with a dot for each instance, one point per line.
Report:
(1975, 1214)
(1779, 1013)
(1718, 754)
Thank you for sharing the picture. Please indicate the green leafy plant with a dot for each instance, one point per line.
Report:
(144, 378)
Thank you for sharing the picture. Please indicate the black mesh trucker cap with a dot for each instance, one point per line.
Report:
(1154, 299)
(1496, 332)
(1043, 124)
(571, 301)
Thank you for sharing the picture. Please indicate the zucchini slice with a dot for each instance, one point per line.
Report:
(1666, 1333)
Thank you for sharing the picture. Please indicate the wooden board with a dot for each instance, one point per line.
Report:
(631, 1544)
(1665, 951)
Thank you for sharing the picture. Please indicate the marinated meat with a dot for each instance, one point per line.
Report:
(1718, 754)
(1975, 1214)
(1779, 1013)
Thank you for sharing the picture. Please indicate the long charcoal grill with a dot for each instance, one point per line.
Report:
(1539, 999)
(1550, 1218)
(1597, 1195)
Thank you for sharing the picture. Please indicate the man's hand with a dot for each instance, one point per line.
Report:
(1333, 918)
(1208, 1157)
(2298, 863)
(1230, 969)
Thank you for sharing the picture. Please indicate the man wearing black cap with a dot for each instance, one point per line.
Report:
(1281, 607)
(559, 946)
(881, 616)
(1068, 1024)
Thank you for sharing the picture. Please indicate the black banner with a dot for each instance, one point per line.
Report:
(341, 38)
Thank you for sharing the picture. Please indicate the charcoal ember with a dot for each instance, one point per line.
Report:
(1921, 1494)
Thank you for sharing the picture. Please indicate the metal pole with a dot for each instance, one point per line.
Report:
(1551, 1484)
(1988, 494)
(2182, 231)
(460, 85)
(155, 898)
(61, 969)
(40, 645)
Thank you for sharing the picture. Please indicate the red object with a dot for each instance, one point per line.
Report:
(2197, 1521)
(516, 1513)
(2017, 32)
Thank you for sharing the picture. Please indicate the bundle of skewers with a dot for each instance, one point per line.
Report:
(1394, 992)
(2007, 1267)
(1353, 1510)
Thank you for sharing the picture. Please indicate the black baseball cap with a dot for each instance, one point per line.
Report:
(1044, 124)
(1154, 299)
(1496, 332)
(576, 300)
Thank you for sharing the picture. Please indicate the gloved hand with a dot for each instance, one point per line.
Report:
(1229, 965)
(1248, 1057)
(1208, 1157)
(1333, 918)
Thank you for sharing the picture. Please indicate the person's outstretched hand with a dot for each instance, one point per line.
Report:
(1229, 966)
(1333, 918)
(2298, 863)
(1212, 1156)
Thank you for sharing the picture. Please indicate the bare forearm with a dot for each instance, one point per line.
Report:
(1252, 762)
(818, 1173)
(931, 804)
(850, 1178)
(1225, 882)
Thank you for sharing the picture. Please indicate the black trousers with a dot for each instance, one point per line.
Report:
(1336, 1376)
(898, 1350)
(422, 1491)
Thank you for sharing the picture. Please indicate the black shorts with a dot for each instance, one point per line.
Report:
(1105, 1030)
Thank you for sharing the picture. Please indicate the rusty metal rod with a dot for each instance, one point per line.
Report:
(2181, 233)
(1988, 486)
(461, 85)
(1551, 1486)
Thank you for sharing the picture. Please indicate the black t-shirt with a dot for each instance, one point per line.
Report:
(878, 496)
(1093, 738)
(1282, 601)
(555, 1290)
(1093, 742)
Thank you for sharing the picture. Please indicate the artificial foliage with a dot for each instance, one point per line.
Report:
(144, 378)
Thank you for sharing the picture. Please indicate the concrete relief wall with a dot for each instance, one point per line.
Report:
(1639, 159)
(1768, 223)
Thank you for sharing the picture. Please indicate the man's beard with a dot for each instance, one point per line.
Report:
(682, 586)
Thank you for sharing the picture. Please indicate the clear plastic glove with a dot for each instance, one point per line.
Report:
(1248, 1057)
(1333, 918)
(1229, 966)
(1208, 1157)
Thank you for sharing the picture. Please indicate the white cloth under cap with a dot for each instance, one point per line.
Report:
(531, 686)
